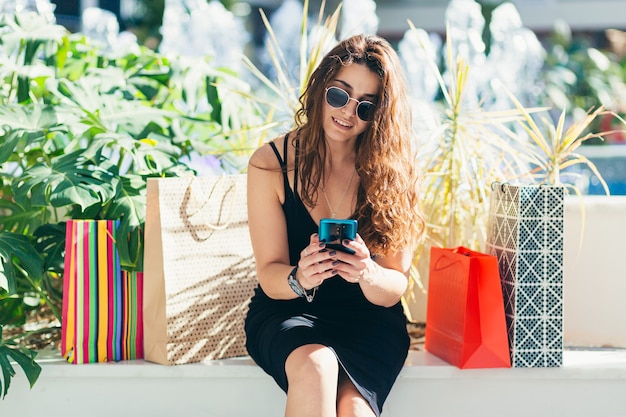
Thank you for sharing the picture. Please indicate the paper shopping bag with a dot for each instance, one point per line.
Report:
(525, 233)
(199, 268)
(465, 324)
(102, 312)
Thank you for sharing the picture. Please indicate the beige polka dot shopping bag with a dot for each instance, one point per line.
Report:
(199, 271)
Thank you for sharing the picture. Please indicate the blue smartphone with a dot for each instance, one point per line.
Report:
(334, 231)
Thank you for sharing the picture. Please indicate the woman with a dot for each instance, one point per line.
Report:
(328, 326)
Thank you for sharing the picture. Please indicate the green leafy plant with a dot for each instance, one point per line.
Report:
(80, 132)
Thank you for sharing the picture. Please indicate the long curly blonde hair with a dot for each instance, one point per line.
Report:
(387, 208)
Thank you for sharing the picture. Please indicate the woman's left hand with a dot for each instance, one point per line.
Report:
(354, 267)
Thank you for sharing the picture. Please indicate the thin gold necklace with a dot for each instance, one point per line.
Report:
(333, 212)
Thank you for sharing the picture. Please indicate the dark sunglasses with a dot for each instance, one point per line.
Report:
(338, 98)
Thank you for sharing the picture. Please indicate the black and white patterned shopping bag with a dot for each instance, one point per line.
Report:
(525, 233)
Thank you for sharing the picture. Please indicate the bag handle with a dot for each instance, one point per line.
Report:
(444, 255)
(502, 187)
(219, 188)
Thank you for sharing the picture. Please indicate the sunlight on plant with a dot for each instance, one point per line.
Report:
(556, 145)
(466, 151)
(469, 149)
(281, 96)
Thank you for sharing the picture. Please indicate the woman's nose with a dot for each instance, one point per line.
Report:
(350, 108)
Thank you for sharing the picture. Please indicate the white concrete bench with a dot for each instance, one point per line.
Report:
(591, 383)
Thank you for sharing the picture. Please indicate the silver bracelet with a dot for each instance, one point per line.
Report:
(298, 288)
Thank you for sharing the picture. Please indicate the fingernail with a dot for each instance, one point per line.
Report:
(335, 263)
(332, 253)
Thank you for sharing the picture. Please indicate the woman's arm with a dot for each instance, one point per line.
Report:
(266, 221)
(383, 280)
(386, 280)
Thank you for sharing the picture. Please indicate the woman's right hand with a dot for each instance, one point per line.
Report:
(316, 264)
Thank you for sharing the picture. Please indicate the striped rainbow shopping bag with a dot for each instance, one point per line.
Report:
(102, 317)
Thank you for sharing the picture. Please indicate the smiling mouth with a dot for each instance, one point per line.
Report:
(341, 122)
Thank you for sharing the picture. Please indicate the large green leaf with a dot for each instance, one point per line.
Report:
(12, 311)
(147, 75)
(19, 219)
(146, 156)
(130, 246)
(30, 117)
(24, 357)
(30, 27)
(50, 242)
(130, 201)
(31, 133)
(69, 180)
(7, 146)
(7, 372)
(108, 111)
(16, 248)
(213, 98)
(130, 207)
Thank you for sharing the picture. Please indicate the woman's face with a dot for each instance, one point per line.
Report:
(343, 124)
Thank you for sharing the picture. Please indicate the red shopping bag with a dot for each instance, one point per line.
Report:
(465, 318)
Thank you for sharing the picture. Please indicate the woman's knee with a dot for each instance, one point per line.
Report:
(311, 362)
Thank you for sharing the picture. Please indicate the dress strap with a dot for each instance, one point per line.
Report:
(282, 161)
(295, 170)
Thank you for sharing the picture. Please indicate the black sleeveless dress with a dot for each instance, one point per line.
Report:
(371, 342)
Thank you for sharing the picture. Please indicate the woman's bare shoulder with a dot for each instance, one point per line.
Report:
(264, 156)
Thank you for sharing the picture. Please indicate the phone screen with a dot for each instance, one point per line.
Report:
(334, 231)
